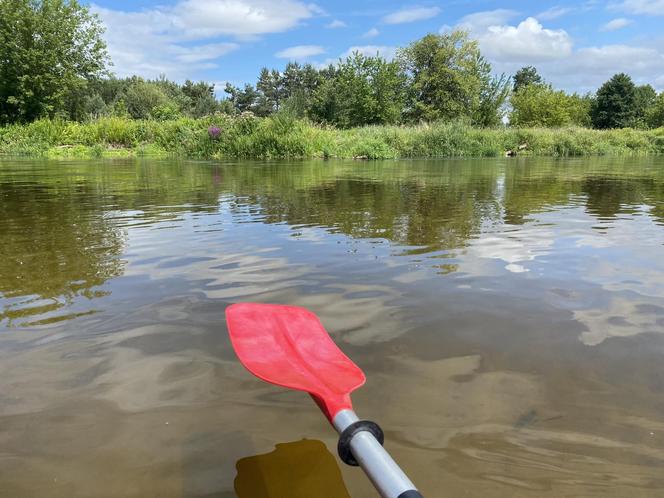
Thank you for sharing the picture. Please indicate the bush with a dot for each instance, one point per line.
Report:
(541, 105)
(165, 112)
(142, 98)
(283, 135)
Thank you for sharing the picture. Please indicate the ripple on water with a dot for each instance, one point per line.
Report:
(508, 315)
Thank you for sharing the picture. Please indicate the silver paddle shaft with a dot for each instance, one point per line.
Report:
(385, 474)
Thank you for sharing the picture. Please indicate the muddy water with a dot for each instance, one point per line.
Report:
(509, 315)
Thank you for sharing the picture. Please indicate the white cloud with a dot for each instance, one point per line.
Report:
(616, 24)
(587, 68)
(336, 24)
(480, 21)
(207, 18)
(219, 88)
(594, 65)
(372, 33)
(202, 53)
(510, 47)
(650, 7)
(411, 15)
(553, 13)
(529, 42)
(387, 53)
(300, 52)
(164, 39)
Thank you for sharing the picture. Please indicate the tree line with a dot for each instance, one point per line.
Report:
(54, 63)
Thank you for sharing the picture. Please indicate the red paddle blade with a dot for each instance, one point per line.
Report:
(288, 346)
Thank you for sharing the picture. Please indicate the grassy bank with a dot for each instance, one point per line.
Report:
(281, 137)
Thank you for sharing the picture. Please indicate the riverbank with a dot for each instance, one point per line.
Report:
(283, 137)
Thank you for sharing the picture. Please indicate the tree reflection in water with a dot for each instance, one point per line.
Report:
(54, 248)
(64, 227)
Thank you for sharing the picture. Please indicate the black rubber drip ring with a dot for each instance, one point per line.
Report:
(343, 447)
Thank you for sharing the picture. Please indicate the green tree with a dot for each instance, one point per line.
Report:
(110, 89)
(364, 90)
(538, 104)
(493, 96)
(655, 116)
(47, 48)
(525, 76)
(143, 98)
(298, 80)
(165, 112)
(201, 99)
(298, 85)
(93, 106)
(446, 73)
(75, 101)
(615, 104)
(645, 98)
(270, 88)
(243, 100)
(579, 109)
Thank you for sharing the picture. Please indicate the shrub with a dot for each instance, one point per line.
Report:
(283, 135)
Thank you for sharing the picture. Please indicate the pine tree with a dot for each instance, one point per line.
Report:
(615, 104)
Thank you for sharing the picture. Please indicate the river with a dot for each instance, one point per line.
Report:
(508, 314)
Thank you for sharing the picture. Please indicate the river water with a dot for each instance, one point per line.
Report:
(508, 314)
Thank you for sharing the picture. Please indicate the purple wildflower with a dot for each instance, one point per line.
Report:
(214, 132)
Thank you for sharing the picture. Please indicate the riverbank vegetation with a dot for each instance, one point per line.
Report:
(438, 97)
(278, 136)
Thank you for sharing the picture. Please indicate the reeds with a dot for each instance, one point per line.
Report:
(282, 136)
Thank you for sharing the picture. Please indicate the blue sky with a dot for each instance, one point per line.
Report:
(575, 45)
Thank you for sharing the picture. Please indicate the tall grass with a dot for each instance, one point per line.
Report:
(282, 136)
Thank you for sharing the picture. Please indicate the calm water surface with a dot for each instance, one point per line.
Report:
(509, 315)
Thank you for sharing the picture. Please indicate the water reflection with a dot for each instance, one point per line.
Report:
(57, 246)
(66, 230)
(301, 469)
(508, 315)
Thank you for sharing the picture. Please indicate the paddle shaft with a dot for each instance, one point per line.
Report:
(382, 470)
(288, 346)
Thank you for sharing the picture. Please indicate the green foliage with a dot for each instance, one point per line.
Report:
(447, 75)
(93, 107)
(199, 99)
(243, 100)
(302, 81)
(494, 94)
(525, 76)
(363, 90)
(655, 114)
(165, 112)
(292, 89)
(140, 99)
(645, 97)
(615, 104)
(270, 88)
(52, 65)
(143, 98)
(538, 104)
(47, 48)
(299, 105)
(282, 135)
(580, 107)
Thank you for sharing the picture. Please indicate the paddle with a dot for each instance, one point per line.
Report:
(288, 346)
